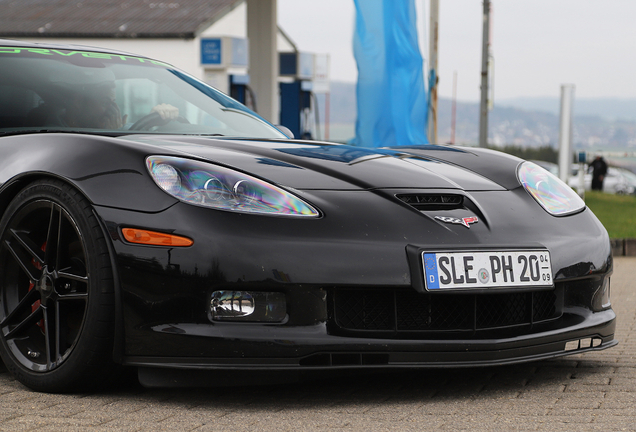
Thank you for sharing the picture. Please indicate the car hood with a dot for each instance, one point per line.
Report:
(315, 165)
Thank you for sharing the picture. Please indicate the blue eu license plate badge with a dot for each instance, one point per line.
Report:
(430, 271)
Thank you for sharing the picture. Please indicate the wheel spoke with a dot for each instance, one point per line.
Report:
(25, 264)
(53, 236)
(29, 321)
(34, 250)
(73, 296)
(58, 337)
(66, 275)
(49, 337)
(30, 298)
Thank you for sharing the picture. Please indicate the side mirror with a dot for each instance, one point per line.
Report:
(286, 131)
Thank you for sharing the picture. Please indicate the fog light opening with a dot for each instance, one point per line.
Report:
(247, 306)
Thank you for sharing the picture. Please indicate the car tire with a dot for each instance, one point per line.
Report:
(56, 303)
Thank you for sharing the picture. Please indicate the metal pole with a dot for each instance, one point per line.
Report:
(454, 108)
(327, 114)
(483, 116)
(565, 132)
(432, 54)
(262, 32)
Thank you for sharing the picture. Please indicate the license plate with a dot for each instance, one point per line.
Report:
(494, 269)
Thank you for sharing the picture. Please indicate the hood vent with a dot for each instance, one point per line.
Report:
(433, 201)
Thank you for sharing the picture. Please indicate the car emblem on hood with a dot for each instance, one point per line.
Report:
(463, 221)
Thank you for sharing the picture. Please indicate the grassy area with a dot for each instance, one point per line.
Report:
(616, 212)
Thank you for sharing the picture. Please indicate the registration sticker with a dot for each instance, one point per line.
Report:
(494, 269)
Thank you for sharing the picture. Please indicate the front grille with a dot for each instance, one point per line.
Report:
(426, 312)
(373, 311)
(404, 310)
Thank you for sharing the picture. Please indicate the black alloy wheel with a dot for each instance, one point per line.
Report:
(56, 290)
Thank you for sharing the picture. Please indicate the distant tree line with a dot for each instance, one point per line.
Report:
(545, 153)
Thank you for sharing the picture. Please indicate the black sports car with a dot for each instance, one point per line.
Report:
(150, 221)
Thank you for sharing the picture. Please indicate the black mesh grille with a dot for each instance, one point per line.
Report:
(373, 311)
(425, 312)
(544, 305)
(499, 310)
(407, 310)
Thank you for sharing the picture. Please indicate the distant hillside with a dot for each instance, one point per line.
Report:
(508, 125)
(598, 123)
(607, 108)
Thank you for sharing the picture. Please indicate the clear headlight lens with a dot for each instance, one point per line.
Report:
(550, 192)
(167, 178)
(214, 186)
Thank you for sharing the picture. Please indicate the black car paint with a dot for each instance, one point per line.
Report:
(164, 292)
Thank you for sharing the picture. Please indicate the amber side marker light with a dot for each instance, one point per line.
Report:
(154, 238)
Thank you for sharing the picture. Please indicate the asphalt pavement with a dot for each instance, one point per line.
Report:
(585, 392)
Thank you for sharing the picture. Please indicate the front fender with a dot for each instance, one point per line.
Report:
(108, 171)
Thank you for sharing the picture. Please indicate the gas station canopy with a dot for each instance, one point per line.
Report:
(183, 19)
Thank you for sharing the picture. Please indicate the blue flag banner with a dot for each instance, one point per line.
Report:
(392, 104)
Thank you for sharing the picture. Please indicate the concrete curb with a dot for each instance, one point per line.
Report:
(623, 247)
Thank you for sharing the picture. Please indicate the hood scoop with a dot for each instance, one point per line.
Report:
(424, 201)
(441, 204)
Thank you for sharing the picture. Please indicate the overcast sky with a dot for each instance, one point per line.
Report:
(537, 44)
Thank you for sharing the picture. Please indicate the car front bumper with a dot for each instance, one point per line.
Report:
(164, 293)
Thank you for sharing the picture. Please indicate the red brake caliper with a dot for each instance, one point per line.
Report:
(36, 305)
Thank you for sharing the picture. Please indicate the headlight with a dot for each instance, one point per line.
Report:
(214, 186)
(555, 197)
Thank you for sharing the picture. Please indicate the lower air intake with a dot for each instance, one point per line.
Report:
(389, 310)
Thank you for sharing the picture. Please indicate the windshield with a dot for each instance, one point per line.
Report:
(62, 90)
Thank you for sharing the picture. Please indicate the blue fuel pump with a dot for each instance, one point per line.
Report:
(295, 106)
(241, 91)
(298, 108)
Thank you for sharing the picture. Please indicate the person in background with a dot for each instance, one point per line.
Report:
(95, 108)
(599, 169)
(90, 103)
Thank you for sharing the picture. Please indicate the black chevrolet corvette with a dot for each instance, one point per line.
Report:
(148, 220)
